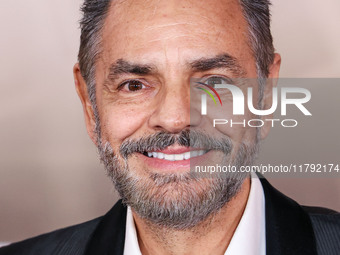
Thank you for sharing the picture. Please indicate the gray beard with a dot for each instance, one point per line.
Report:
(177, 200)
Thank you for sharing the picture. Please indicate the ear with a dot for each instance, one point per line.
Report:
(81, 89)
(268, 92)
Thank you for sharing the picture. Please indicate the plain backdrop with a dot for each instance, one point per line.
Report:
(50, 176)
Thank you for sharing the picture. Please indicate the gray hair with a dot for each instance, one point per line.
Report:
(256, 12)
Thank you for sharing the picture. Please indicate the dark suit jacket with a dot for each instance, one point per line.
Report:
(291, 229)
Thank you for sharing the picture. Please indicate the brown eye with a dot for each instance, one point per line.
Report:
(134, 85)
(212, 81)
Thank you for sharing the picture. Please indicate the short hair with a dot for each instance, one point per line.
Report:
(256, 13)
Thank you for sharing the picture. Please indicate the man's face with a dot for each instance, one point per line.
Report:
(150, 52)
(163, 39)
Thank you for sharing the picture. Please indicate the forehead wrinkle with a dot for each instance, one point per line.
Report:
(134, 21)
(169, 37)
(181, 29)
(144, 18)
(147, 28)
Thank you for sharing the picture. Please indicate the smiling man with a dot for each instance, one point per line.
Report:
(149, 52)
(138, 63)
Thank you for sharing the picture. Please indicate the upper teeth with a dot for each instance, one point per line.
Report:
(174, 157)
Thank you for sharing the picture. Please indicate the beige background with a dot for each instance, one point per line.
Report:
(49, 172)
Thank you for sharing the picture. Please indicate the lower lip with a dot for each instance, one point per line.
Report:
(163, 165)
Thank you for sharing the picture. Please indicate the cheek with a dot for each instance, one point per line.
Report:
(118, 123)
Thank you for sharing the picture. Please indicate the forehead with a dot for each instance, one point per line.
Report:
(173, 31)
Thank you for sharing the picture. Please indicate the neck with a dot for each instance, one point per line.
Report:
(212, 236)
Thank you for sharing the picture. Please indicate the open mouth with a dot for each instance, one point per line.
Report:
(175, 157)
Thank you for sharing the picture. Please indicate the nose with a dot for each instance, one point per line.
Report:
(173, 111)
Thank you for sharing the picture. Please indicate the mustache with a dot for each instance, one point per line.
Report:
(187, 138)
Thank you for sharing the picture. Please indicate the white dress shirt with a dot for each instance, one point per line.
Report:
(249, 236)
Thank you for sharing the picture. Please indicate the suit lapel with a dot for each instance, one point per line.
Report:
(288, 227)
(109, 236)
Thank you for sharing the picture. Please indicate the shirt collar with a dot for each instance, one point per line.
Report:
(250, 234)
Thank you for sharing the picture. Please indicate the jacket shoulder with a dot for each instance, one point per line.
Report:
(70, 240)
(326, 226)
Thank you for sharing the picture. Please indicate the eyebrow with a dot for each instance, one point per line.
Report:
(122, 66)
(224, 60)
(220, 61)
